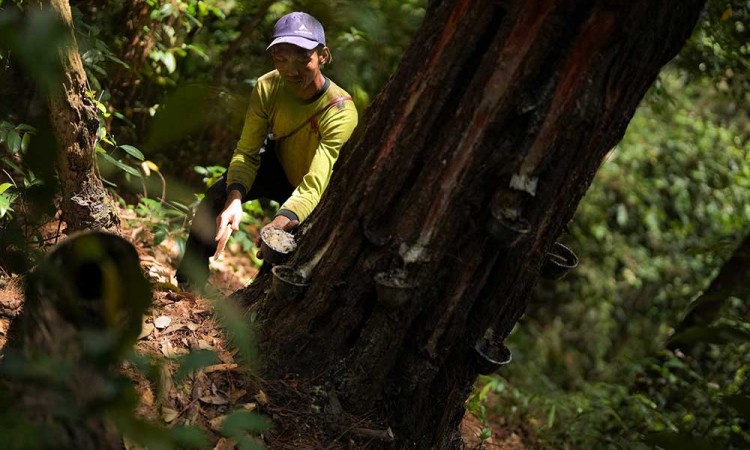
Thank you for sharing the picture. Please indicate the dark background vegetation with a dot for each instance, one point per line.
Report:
(591, 368)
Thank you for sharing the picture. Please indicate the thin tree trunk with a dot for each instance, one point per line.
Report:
(508, 105)
(732, 279)
(247, 28)
(85, 202)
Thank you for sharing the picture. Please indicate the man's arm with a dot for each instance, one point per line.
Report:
(335, 131)
(244, 164)
(245, 161)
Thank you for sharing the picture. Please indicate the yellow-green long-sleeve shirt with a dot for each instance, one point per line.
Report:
(308, 155)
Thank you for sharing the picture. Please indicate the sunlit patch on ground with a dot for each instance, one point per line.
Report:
(11, 299)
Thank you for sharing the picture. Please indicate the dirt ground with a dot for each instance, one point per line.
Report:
(178, 323)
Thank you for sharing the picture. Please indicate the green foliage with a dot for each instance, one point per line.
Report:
(163, 220)
(719, 50)
(239, 424)
(14, 143)
(670, 204)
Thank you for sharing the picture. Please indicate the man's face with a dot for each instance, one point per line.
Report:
(298, 67)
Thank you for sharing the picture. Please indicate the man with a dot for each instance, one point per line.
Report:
(309, 119)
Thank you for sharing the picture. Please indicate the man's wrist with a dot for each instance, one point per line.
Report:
(237, 187)
(288, 213)
(233, 195)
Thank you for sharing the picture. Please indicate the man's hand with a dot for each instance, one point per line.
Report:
(280, 222)
(232, 214)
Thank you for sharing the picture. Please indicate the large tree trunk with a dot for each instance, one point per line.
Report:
(85, 203)
(508, 105)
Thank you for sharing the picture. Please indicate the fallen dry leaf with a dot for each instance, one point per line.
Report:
(224, 444)
(168, 414)
(146, 397)
(220, 367)
(166, 349)
(162, 322)
(217, 422)
(262, 398)
(214, 400)
(146, 330)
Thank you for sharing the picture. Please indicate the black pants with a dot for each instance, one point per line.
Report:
(270, 183)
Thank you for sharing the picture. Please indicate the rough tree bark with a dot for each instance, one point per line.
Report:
(508, 105)
(85, 203)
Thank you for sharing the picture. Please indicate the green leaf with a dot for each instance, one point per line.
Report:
(4, 187)
(169, 62)
(117, 60)
(249, 444)
(16, 168)
(132, 151)
(193, 361)
(198, 51)
(119, 164)
(25, 142)
(5, 205)
(551, 416)
(14, 141)
(189, 437)
(160, 234)
(240, 422)
(25, 128)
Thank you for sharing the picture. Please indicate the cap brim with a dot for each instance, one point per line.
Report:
(307, 44)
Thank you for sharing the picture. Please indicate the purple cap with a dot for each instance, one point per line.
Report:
(300, 29)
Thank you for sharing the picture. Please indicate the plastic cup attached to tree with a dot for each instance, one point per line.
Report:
(276, 245)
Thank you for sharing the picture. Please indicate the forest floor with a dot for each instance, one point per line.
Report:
(178, 323)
